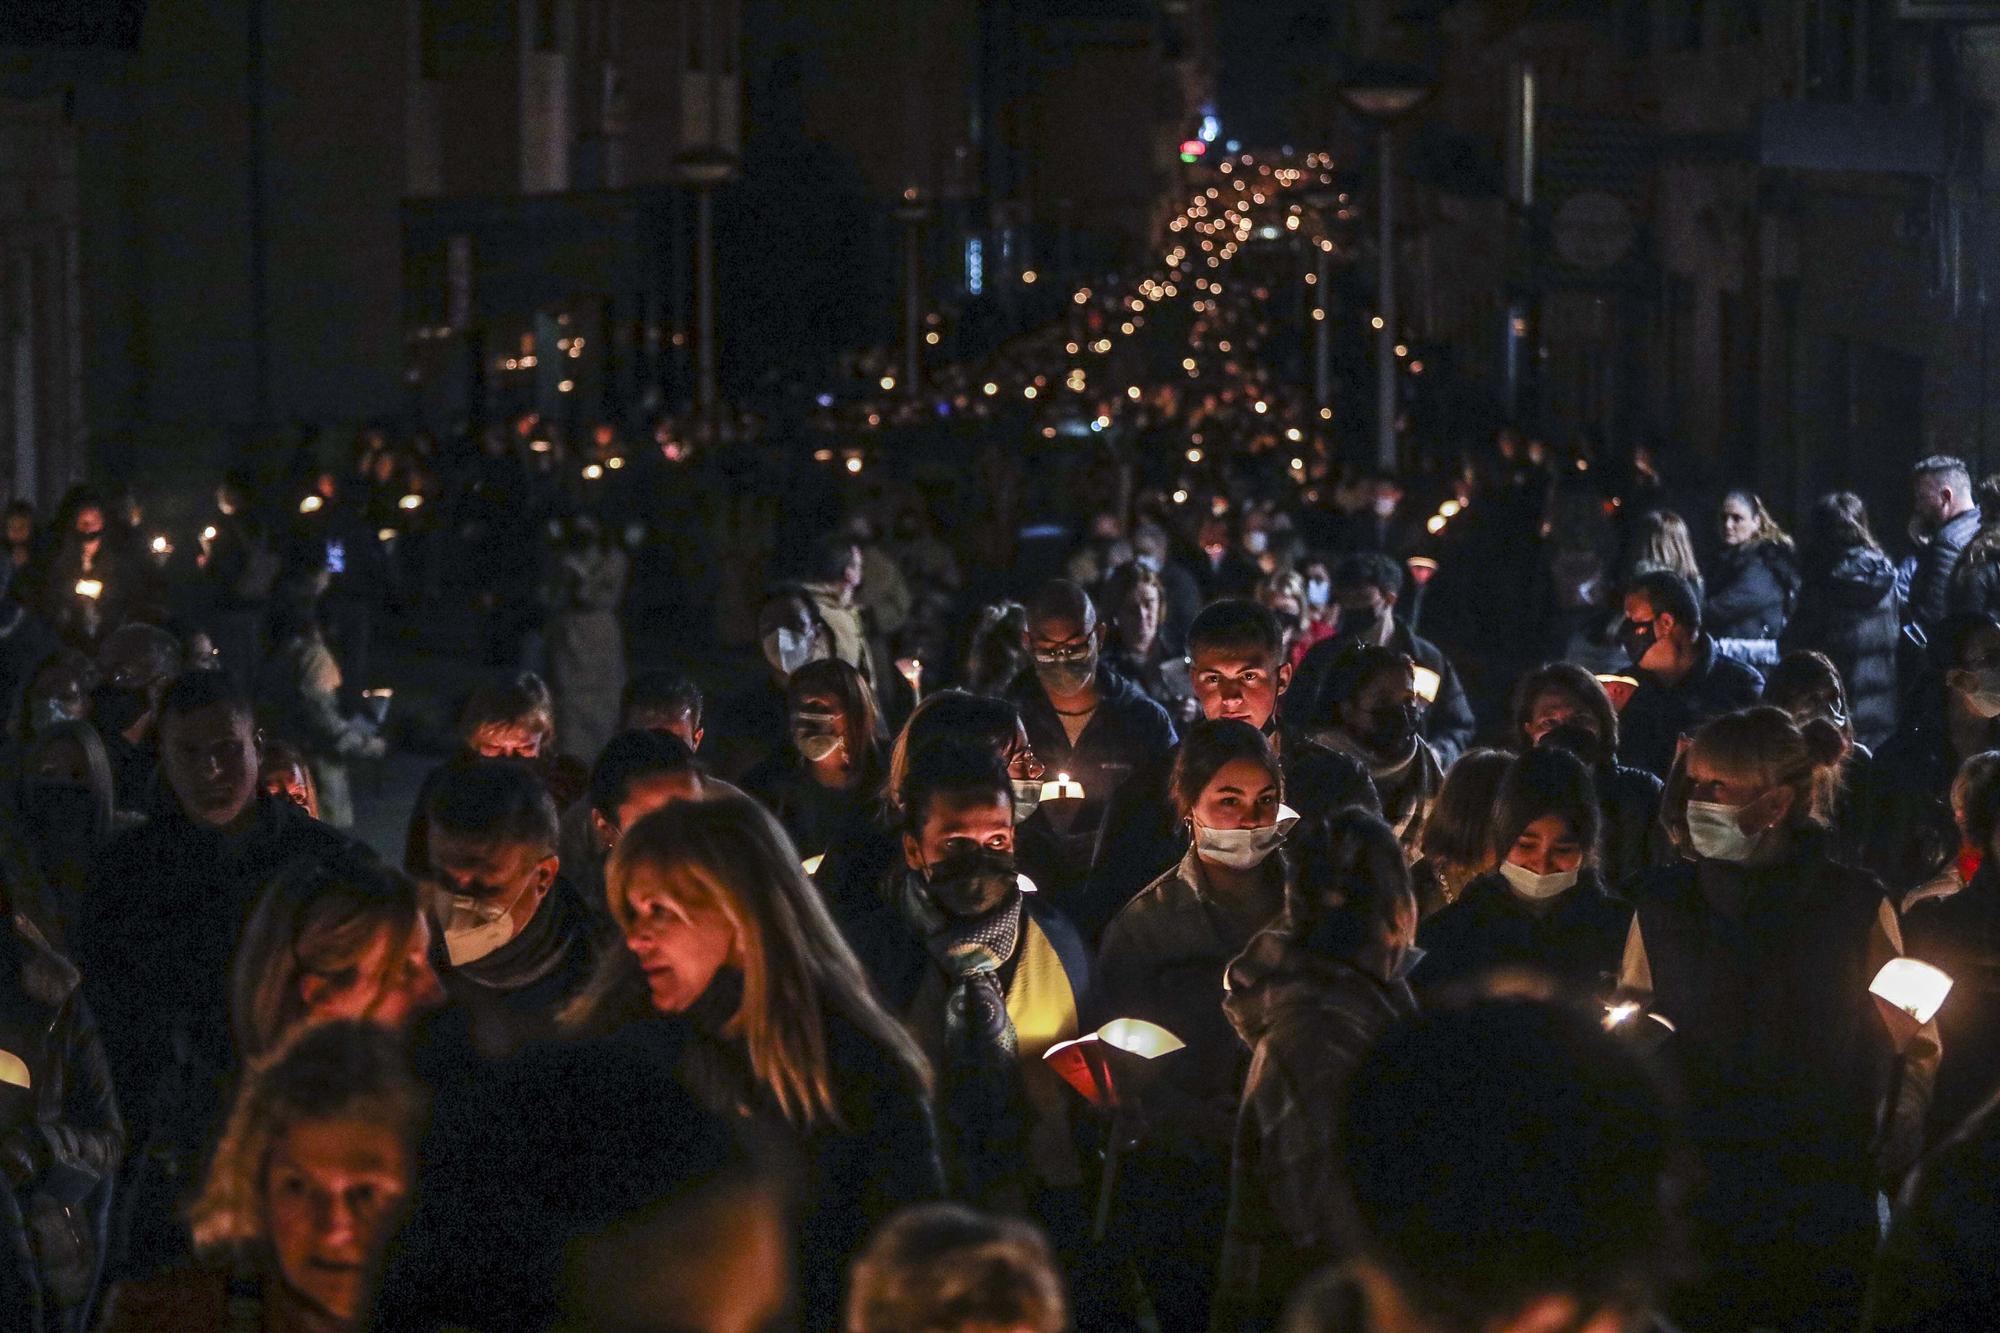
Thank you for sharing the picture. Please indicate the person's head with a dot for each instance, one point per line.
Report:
(662, 700)
(958, 825)
(1348, 895)
(1459, 832)
(990, 722)
(1285, 593)
(209, 748)
(945, 1268)
(1660, 540)
(509, 719)
(1563, 694)
(1940, 490)
(285, 773)
(790, 633)
(327, 940)
(1545, 822)
(1975, 801)
(835, 559)
(1228, 787)
(493, 830)
(701, 887)
(88, 524)
(1137, 604)
(317, 1157)
(20, 523)
(58, 691)
(1370, 693)
(1236, 662)
(1807, 685)
(996, 651)
(1507, 1167)
(134, 665)
(636, 773)
(1837, 522)
(1748, 780)
(1063, 638)
(1744, 521)
(1662, 619)
(834, 720)
(1965, 652)
(1366, 585)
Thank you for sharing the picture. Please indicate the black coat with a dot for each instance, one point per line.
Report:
(1576, 939)
(516, 994)
(1937, 560)
(1750, 591)
(1628, 800)
(1899, 807)
(1658, 715)
(1960, 934)
(1847, 610)
(1448, 724)
(1934, 1273)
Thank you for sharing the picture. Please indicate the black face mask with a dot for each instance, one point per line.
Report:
(115, 707)
(1638, 640)
(1389, 733)
(1362, 622)
(1582, 742)
(973, 882)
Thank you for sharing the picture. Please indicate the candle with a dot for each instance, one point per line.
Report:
(90, 588)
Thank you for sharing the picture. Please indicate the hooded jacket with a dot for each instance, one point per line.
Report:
(1847, 610)
(1307, 1020)
(1750, 590)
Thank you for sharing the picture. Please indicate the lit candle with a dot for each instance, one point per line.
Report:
(1062, 789)
(90, 588)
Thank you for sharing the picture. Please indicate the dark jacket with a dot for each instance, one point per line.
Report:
(1448, 722)
(1127, 731)
(60, 1140)
(167, 904)
(1934, 1273)
(1307, 1020)
(1847, 610)
(1975, 581)
(1960, 934)
(1901, 807)
(1658, 715)
(1750, 590)
(1930, 585)
(1633, 837)
(1575, 939)
(811, 814)
(1142, 839)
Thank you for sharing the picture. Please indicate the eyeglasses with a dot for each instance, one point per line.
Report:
(1074, 651)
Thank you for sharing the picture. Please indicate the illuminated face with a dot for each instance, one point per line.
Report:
(389, 982)
(953, 826)
(1738, 524)
(90, 526)
(331, 1192)
(1242, 794)
(508, 740)
(1548, 846)
(290, 782)
(1229, 682)
(680, 948)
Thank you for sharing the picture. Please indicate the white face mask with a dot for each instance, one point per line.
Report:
(1537, 888)
(1717, 832)
(1318, 593)
(1243, 848)
(473, 929)
(1984, 696)
(1256, 542)
(787, 650)
(1027, 798)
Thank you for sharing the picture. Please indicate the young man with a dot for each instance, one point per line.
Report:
(1683, 681)
(1944, 519)
(637, 773)
(1236, 662)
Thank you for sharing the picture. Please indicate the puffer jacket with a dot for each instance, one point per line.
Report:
(1975, 581)
(1307, 1020)
(1937, 561)
(1750, 591)
(1847, 610)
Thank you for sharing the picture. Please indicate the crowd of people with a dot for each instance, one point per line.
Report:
(1189, 942)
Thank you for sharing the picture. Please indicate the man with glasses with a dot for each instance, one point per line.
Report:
(1083, 719)
(1683, 681)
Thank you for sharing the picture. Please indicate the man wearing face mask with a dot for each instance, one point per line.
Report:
(1083, 718)
(1683, 681)
(1366, 588)
(1371, 714)
(514, 943)
(157, 932)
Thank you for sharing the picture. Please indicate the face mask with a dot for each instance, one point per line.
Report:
(1027, 798)
(1980, 690)
(1256, 543)
(972, 882)
(817, 735)
(114, 708)
(787, 650)
(474, 928)
(1537, 888)
(1318, 593)
(1389, 734)
(1243, 848)
(1145, 561)
(1067, 676)
(1638, 640)
(1385, 506)
(1717, 833)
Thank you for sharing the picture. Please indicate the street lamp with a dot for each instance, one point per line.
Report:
(1383, 95)
(912, 212)
(703, 170)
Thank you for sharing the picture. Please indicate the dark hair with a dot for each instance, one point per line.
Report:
(861, 719)
(192, 691)
(1239, 624)
(954, 768)
(1367, 569)
(1669, 595)
(1978, 787)
(1351, 669)
(1207, 748)
(827, 560)
(1348, 884)
(1949, 468)
(1547, 780)
(1459, 829)
(995, 653)
(497, 801)
(660, 691)
(1571, 679)
(520, 700)
(1061, 599)
(1503, 1151)
(975, 717)
(1803, 676)
(635, 754)
(1836, 523)
(940, 1266)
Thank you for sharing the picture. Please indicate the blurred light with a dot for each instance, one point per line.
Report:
(1194, 455)
(592, 471)
(1028, 276)
(539, 446)
(989, 388)
(161, 546)
(854, 464)
(615, 462)
(411, 501)
(822, 455)
(931, 338)
(1028, 392)
(1915, 988)
(208, 534)
(1435, 525)
(565, 386)
(385, 535)
(1260, 407)
(1449, 508)
(1375, 323)
(1326, 414)
(888, 382)
(1402, 349)
(312, 504)
(1427, 682)
(1294, 434)
(91, 588)
(1180, 497)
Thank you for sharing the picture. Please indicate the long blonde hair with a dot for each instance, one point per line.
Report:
(1662, 542)
(728, 854)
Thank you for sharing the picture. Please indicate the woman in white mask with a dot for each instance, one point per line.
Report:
(835, 764)
(1542, 910)
(1163, 960)
(1759, 949)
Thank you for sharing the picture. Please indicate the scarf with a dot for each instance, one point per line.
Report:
(543, 945)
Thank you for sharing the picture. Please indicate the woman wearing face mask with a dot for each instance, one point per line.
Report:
(1543, 909)
(734, 969)
(1559, 703)
(1759, 949)
(1321, 615)
(1163, 960)
(302, 1196)
(1369, 711)
(835, 766)
(343, 939)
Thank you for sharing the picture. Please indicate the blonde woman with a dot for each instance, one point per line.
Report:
(301, 1197)
(735, 963)
(1661, 541)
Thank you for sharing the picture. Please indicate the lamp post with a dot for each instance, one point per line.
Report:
(912, 212)
(703, 170)
(1382, 96)
(1323, 203)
